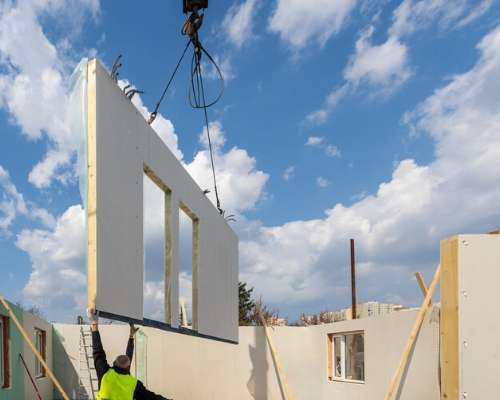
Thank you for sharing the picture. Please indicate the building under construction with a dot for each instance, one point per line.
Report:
(441, 350)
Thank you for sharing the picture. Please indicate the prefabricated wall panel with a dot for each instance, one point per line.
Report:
(121, 148)
(470, 324)
(184, 368)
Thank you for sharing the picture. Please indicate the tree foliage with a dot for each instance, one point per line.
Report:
(247, 305)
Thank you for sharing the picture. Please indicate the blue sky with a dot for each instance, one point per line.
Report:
(378, 120)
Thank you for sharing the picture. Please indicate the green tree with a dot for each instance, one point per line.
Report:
(247, 304)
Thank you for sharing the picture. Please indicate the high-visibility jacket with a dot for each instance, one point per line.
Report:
(115, 386)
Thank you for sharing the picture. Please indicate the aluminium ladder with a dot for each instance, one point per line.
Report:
(87, 375)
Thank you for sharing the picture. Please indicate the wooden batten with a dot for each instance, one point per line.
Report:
(422, 284)
(449, 320)
(91, 185)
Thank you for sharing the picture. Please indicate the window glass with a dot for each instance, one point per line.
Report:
(337, 344)
(40, 346)
(355, 364)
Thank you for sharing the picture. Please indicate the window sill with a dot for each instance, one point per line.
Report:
(346, 381)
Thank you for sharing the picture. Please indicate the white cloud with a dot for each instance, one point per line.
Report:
(217, 136)
(289, 173)
(12, 204)
(154, 300)
(11, 201)
(383, 68)
(301, 22)
(315, 140)
(398, 228)
(240, 184)
(319, 142)
(412, 16)
(332, 151)
(225, 64)
(320, 116)
(384, 65)
(322, 182)
(43, 172)
(58, 279)
(238, 22)
(475, 13)
(34, 77)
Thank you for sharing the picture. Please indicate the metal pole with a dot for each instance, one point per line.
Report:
(31, 378)
(353, 280)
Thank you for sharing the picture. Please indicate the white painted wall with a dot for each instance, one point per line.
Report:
(125, 143)
(186, 368)
(479, 323)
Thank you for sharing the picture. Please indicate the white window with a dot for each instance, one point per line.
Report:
(40, 344)
(347, 357)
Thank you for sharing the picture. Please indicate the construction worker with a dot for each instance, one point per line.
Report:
(116, 382)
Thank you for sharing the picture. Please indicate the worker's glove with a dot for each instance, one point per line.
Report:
(93, 316)
(133, 329)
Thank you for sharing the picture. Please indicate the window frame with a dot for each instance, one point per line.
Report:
(41, 346)
(332, 356)
(5, 351)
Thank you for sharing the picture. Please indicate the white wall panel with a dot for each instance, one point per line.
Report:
(124, 143)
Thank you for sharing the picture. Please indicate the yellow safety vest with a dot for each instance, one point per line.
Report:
(115, 386)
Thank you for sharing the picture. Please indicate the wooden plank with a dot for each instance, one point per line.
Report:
(195, 271)
(33, 349)
(396, 379)
(279, 368)
(421, 283)
(91, 186)
(329, 355)
(449, 320)
(169, 261)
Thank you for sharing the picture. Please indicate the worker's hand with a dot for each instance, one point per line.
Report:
(133, 329)
(92, 316)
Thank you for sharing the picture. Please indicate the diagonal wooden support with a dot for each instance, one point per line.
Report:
(33, 348)
(396, 379)
(421, 283)
(279, 368)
